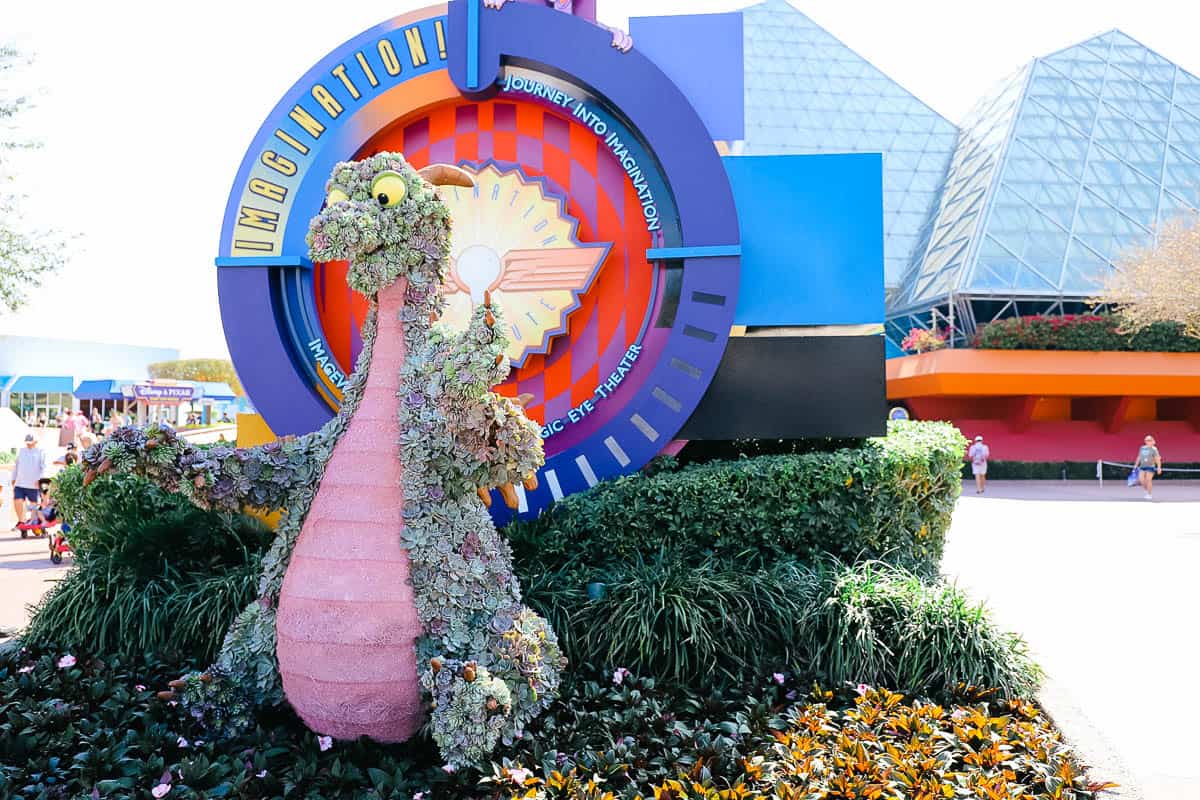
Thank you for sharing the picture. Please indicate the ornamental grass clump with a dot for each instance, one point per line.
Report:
(685, 624)
(717, 623)
(153, 574)
(876, 624)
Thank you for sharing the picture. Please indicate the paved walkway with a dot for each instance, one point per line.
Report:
(25, 569)
(1103, 585)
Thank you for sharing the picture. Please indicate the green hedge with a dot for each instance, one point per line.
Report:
(1075, 471)
(715, 572)
(1093, 332)
(890, 499)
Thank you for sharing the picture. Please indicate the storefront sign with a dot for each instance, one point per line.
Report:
(153, 392)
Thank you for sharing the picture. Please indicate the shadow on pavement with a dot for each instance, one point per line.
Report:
(1171, 491)
(42, 561)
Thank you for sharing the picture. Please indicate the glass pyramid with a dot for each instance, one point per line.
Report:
(1076, 158)
(806, 92)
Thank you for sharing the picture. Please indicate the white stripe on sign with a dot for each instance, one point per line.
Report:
(552, 482)
(645, 427)
(666, 398)
(522, 502)
(618, 453)
(588, 474)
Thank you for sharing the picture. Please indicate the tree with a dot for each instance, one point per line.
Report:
(198, 369)
(1160, 282)
(27, 256)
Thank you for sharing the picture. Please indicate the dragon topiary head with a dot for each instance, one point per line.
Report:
(387, 220)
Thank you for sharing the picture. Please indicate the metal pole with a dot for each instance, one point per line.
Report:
(1100, 472)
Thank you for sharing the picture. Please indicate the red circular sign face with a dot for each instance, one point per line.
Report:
(554, 229)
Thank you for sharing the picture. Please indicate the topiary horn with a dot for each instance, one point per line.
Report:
(446, 175)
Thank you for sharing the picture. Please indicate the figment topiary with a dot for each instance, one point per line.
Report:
(387, 576)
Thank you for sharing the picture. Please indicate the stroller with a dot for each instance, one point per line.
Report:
(56, 529)
(35, 525)
(47, 522)
(58, 542)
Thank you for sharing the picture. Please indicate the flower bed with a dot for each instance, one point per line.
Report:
(711, 605)
(1092, 332)
(73, 726)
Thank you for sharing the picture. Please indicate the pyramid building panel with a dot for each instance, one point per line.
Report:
(807, 92)
(1079, 157)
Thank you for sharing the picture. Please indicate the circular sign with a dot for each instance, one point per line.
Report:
(578, 226)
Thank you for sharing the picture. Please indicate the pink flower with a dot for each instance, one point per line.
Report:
(181, 742)
(778, 678)
(449, 769)
(261, 774)
(139, 688)
(519, 775)
(620, 675)
(862, 689)
(419, 796)
(324, 742)
(66, 661)
(26, 669)
(161, 790)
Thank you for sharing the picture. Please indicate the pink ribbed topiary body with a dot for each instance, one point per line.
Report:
(347, 624)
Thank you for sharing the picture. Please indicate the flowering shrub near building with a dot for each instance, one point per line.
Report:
(921, 340)
(1090, 332)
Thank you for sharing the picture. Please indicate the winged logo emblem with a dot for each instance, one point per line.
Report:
(510, 239)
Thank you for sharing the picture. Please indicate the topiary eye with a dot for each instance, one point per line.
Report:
(389, 188)
(335, 196)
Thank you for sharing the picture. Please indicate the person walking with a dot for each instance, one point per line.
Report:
(978, 454)
(1148, 464)
(83, 425)
(27, 471)
(66, 427)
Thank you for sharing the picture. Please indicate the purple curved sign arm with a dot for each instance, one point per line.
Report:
(631, 82)
(485, 40)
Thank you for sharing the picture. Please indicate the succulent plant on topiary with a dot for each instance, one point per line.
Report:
(386, 563)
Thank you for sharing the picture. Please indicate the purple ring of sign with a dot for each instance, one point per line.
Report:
(256, 316)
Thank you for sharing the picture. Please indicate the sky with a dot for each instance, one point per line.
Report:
(145, 110)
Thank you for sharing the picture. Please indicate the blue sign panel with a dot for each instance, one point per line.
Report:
(812, 238)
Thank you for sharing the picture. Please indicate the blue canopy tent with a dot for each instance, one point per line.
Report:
(40, 396)
(102, 395)
(99, 390)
